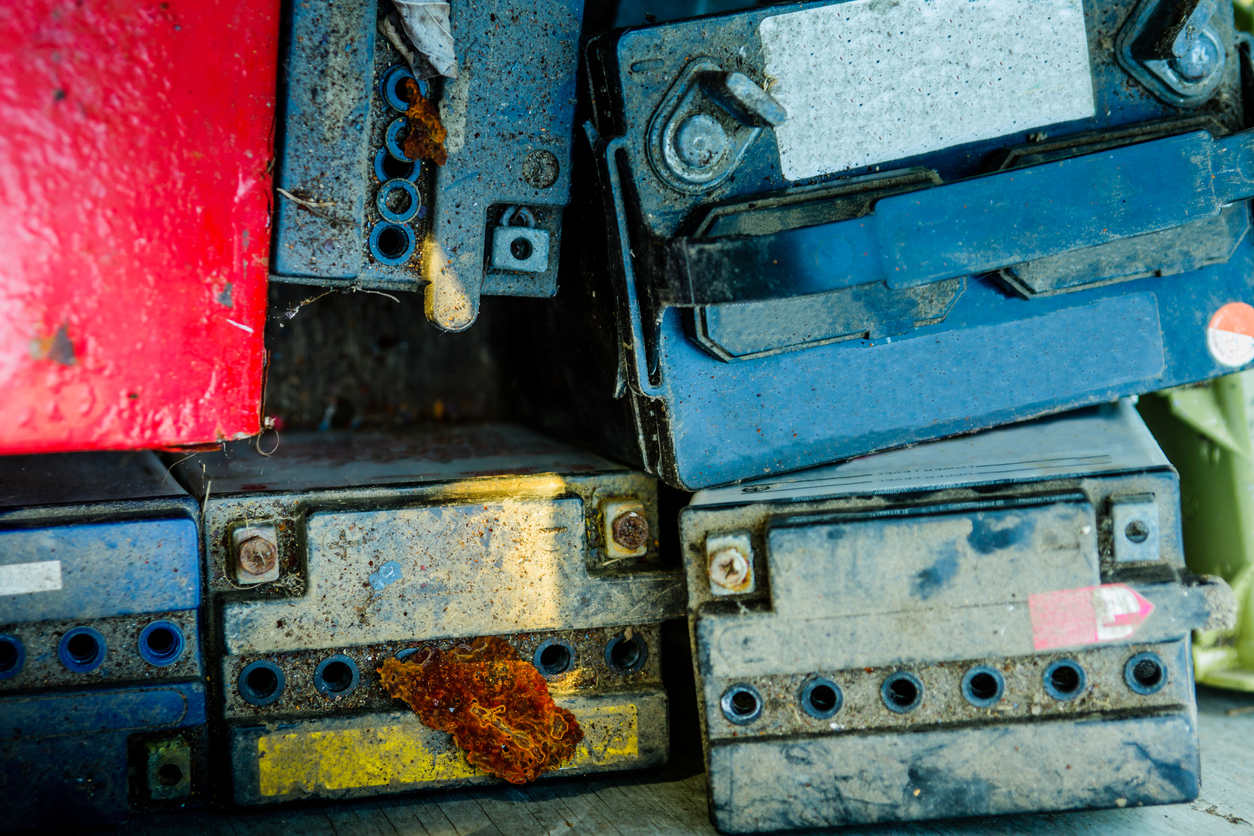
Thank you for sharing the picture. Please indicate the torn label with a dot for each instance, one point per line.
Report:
(1085, 616)
(427, 24)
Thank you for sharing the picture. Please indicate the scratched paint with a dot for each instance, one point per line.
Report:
(134, 212)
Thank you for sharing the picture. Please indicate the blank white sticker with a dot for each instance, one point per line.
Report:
(872, 81)
(25, 578)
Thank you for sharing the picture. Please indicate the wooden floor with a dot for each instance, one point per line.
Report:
(673, 802)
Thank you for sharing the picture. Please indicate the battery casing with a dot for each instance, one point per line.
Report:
(993, 624)
(102, 691)
(389, 542)
(508, 117)
(824, 294)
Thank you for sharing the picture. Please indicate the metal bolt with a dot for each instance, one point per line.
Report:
(729, 568)
(1136, 531)
(700, 141)
(257, 555)
(630, 530)
(747, 102)
(1198, 61)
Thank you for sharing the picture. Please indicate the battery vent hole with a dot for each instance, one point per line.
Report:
(1145, 673)
(262, 682)
(902, 692)
(1065, 679)
(82, 648)
(398, 201)
(9, 655)
(392, 242)
(626, 655)
(822, 698)
(554, 659)
(1136, 531)
(169, 775)
(520, 248)
(743, 703)
(337, 676)
(396, 169)
(161, 641)
(1148, 673)
(983, 686)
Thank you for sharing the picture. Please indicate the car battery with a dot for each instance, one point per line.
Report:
(452, 184)
(1206, 433)
(102, 689)
(991, 624)
(343, 550)
(837, 228)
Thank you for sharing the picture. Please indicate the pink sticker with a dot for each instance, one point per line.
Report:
(1088, 615)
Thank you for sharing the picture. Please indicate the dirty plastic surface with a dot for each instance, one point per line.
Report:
(134, 221)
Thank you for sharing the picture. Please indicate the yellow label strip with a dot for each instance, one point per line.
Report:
(410, 753)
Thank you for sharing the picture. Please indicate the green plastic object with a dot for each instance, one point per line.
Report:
(1207, 431)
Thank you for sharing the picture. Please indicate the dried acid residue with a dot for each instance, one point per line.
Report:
(425, 140)
(496, 706)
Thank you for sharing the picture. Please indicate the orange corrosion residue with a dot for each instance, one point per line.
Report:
(496, 706)
(425, 140)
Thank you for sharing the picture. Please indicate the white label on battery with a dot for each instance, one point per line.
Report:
(25, 578)
(872, 81)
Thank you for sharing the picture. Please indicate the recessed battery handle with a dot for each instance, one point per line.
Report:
(972, 226)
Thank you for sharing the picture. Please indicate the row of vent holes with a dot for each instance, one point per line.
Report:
(1144, 673)
(624, 655)
(262, 682)
(83, 649)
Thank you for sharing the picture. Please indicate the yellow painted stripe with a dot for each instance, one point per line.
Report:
(376, 756)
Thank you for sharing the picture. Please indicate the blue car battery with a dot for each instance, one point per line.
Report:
(990, 624)
(837, 228)
(460, 194)
(102, 692)
(342, 550)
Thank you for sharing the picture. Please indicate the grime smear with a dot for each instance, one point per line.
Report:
(496, 706)
(389, 572)
(57, 348)
(425, 140)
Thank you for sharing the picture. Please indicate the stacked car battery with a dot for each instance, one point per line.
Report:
(872, 288)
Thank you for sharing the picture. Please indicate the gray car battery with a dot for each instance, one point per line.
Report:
(342, 550)
(474, 209)
(991, 624)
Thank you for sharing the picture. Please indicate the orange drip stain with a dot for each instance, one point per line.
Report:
(496, 706)
(425, 140)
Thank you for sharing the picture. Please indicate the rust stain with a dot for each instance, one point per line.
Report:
(496, 706)
(631, 531)
(425, 140)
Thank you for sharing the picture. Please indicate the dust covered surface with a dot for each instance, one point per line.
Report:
(362, 359)
(496, 706)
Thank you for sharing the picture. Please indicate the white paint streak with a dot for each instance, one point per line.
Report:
(240, 326)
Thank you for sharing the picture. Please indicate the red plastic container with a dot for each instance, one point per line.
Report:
(135, 157)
